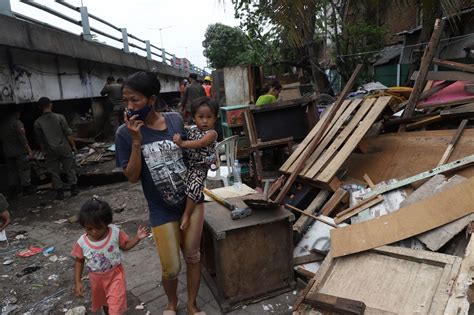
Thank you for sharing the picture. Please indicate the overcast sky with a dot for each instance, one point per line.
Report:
(188, 20)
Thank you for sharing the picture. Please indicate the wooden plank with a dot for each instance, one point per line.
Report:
(427, 174)
(330, 170)
(317, 138)
(424, 67)
(306, 259)
(330, 135)
(303, 145)
(332, 149)
(425, 94)
(452, 143)
(424, 190)
(461, 111)
(469, 87)
(444, 207)
(454, 65)
(446, 104)
(303, 221)
(368, 181)
(424, 122)
(337, 198)
(446, 76)
(364, 204)
(390, 280)
(335, 304)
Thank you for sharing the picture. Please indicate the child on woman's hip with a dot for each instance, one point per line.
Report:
(199, 151)
(100, 250)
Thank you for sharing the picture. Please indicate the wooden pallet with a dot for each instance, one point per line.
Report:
(352, 121)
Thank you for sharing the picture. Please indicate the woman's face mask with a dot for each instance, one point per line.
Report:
(142, 113)
(136, 103)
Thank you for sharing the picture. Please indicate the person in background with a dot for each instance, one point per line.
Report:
(17, 153)
(113, 90)
(207, 85)
(193, 91)
(57, 143)
(4, 214)
(270, 93)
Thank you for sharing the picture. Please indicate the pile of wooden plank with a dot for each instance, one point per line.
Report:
(385, 227)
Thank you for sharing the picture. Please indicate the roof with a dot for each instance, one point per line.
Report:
(387, 54)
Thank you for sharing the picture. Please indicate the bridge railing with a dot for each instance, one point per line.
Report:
(128, 41)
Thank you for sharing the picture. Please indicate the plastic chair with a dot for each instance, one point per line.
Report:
(229, 147)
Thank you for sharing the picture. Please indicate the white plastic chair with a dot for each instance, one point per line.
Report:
(229, 147)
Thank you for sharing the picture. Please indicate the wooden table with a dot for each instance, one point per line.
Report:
(249, 258)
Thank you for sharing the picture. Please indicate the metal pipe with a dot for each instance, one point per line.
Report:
(51, 11)
(70, 6)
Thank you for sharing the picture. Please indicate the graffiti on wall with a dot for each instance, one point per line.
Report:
(6, 89)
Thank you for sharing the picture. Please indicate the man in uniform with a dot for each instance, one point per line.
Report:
(192, 92)
(17, 153)
(113, 90)
(56, 141)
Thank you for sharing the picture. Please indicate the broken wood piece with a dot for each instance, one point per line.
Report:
(368, 181)
(461, 298)
(303, 221)
(446, 76)
(469, 87)
(454, 65)
(317, 138)
(437, 170)
(460, 111)
(364, 204)
(424, 122)
(424, 68)
(306, 273)
(335, 304)
(340, 196)
(442, 208)
(306, 259)
(442, 104)
(453, 142)
(311, 216)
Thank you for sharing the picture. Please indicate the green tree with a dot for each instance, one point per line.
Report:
(225, 46)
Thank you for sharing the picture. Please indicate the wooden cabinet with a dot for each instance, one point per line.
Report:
(249, 258)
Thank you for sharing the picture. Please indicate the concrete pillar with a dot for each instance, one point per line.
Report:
(148, 50)
(86, 29)
(125, 40)
(163, 54)
(98, 113)
(5, 8)
(174, 61)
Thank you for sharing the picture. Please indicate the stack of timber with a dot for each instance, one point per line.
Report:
(346, 130)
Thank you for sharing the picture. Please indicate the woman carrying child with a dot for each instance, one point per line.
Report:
(145, 151)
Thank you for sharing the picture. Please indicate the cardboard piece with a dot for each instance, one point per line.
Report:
(444, 207)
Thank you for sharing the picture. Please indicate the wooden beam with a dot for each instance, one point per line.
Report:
(311, 216)
(337, 198)
(424, 122)
(454, 65)
(452, 143)
(424, 67)
(461, 111)
(368, 181)
(335, 304)
(306, 273)
(361, 206)
(446, 75)
(461, 101)
(319, 135)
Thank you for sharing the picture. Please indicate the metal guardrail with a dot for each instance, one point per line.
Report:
(150, 49)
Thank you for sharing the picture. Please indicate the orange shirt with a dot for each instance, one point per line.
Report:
(207, 90)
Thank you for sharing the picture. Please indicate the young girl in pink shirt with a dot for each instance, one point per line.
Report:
(100, 249)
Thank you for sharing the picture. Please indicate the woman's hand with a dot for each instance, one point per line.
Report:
(133, 125)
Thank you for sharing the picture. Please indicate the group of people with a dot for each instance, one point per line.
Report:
(54, 137)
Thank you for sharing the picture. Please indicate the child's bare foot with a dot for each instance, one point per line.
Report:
(184, 222)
